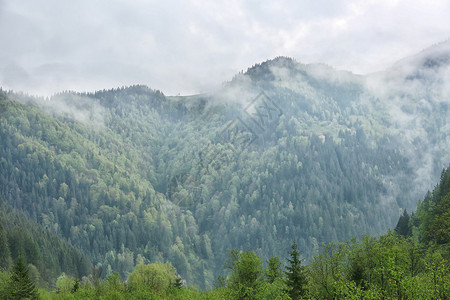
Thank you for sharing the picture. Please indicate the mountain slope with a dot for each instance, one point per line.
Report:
(49, 255)
(83, 183)
(283, 151)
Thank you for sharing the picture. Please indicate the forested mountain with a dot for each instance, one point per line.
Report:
(411, 262)
(282, 151)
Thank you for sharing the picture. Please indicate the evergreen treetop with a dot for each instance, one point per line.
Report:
(295, 274)
(21, 285)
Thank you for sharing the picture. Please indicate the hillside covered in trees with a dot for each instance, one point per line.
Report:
(46, 255)
(411, 262)
(283, 151)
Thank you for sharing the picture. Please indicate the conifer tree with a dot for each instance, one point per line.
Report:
(76, 286)
(403, 227)
(178, 282)
(295, 274)
(21, 285)
(274, 269)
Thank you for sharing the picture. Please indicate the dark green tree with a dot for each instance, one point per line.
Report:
(403, 227)
(274, 269)
(76, 285)
(357, 268)
(439, 226)
(178, 282)
(21, 285)
(295, 274)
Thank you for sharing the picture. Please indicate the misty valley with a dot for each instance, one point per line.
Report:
(291, 181)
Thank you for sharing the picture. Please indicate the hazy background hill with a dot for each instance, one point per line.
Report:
(283, 151)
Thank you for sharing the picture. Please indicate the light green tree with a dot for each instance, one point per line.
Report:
(246, 276)
(158, 277)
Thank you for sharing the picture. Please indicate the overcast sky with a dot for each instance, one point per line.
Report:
(193, 46)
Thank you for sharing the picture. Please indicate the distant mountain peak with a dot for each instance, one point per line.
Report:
(262, 70)
(432, 57)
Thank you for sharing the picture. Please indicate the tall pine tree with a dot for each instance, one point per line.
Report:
(403, 227)
(274, 269)
(21, 285)
(295, 274)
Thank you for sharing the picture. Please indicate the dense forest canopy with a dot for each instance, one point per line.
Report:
(283, 151)
(411, 262)
(45, 254)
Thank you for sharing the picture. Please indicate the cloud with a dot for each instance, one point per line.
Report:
(415, 92)
(193, 46)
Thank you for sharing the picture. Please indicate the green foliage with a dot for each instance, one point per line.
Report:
(47, 254)
(439, 227)
(65, 284)
(77, 179)
(275, 290)
(20, 284)
(431, 222)
(5, 278)
(385, 267)
(246, 274)
(295, 274)
(36, 276)
(326, 270)
(76, 286)
(159, 277)
(403, 225)
(274, 269)
(395, 265)
(389, 266)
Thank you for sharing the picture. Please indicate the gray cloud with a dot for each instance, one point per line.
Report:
(414, 92)
(193, 46)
